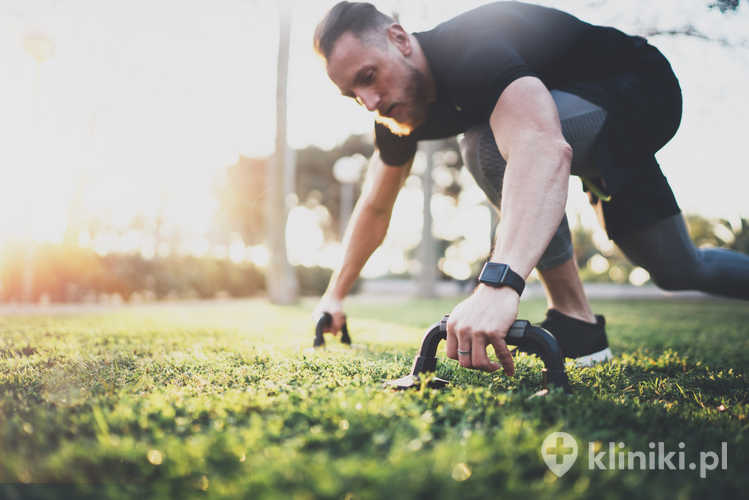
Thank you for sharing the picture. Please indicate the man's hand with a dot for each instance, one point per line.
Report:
(482, 319)
(334, 307)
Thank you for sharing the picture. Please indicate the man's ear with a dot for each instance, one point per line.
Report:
(398, 37)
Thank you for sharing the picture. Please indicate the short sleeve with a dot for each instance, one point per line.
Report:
(485, 69)
(394, 150)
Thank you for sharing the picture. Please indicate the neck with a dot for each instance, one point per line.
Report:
(422, 64)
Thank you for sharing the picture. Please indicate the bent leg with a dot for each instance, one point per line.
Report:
(666, 251)
(565, 292)
(645, 222)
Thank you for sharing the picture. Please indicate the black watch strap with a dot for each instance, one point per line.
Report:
(498, 275)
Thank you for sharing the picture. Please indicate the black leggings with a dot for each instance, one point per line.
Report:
(674, 263)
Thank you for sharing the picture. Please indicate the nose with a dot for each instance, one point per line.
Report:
(369, 99)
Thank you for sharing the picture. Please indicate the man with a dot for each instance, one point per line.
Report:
(538, 95)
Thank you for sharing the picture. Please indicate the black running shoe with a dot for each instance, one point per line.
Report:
(583, 341)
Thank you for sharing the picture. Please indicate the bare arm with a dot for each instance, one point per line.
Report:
(369, 223)
(527, 129)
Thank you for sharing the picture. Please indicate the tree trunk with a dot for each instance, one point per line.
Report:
(428, 250)
(280, 278)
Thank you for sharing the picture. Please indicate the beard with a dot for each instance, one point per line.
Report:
(415, 102)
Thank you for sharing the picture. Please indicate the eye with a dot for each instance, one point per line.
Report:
(369, 77)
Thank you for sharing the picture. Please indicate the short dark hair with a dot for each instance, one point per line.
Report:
(359, 18)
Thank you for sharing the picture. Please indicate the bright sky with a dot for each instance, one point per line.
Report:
(146, 100)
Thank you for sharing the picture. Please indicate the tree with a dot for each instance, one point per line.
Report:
(314, 172)
(280, 279)
(725, 5)
(690, 29)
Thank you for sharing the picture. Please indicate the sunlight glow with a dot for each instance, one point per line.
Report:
(114, 117)
(598, 264)
(304, 237)
(639, 276)
(259, 255)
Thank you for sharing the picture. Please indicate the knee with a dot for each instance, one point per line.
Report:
(685, 274)
(673, 278)
(667, 281)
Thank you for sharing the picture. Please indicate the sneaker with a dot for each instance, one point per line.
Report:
(583, 341)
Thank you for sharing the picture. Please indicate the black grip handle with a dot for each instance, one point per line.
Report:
(528, 338)
(325, 320)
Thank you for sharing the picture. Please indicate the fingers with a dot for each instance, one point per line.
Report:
(336, 323)
(504, 355)
(334, 307)
(459, 344)
(479, 359)
(338, 320)
(452, 341)
(468, 348)
(465, 348)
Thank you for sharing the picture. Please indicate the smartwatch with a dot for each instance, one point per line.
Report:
(499, 275)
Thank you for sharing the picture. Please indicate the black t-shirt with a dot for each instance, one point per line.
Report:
(476, 55)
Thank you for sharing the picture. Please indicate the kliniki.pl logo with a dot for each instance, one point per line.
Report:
(657, 458)
(559, 451)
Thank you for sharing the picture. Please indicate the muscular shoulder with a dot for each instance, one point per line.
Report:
(477, 54)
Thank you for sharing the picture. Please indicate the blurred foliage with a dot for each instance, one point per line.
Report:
(619, 267)
(314, 171)
(73, 274)
(718, 233)
(64, 273)
(741, 241)
(314, 280)
(241, 199)
(582, 242)
(725, 5)
(703, 231)
(241, 191)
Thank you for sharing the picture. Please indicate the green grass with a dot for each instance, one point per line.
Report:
(222, 401)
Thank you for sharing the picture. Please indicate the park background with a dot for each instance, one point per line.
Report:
(144, 170)
(141, 154)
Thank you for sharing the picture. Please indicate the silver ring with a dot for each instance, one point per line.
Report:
(464, 353)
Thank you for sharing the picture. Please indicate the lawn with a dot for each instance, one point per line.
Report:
(222, 400)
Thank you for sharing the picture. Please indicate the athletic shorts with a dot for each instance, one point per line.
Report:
(615, 127)
(644, 107)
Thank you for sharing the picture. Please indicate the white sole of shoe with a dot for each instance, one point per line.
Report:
(596, 357)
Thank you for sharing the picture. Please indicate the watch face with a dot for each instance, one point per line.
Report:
(494, 272)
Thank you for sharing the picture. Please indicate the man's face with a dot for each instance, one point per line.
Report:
(378, 75)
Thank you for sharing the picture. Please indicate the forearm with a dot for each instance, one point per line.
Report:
(364, 234)
(534, 195)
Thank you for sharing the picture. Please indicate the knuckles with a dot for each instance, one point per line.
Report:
(465, 331)
(468, 332)
(464, 335)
